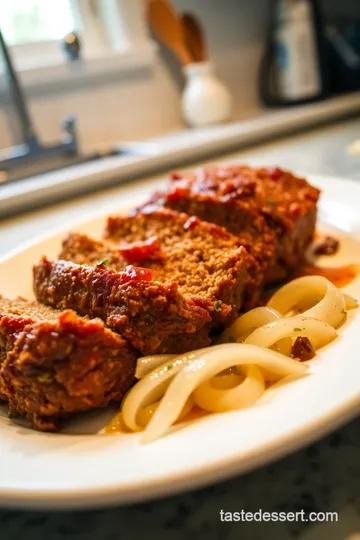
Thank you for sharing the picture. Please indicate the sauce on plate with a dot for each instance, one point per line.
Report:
(116, 425)
(340, 276)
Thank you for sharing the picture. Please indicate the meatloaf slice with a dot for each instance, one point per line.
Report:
(147, 313)
(204, 260)
(188, 194)
(58, 364)
(272, 211)
(289, 205)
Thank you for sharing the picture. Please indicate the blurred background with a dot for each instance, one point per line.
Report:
(101, 74)
(114, 100)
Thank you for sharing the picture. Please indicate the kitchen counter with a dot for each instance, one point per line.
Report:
(324, 477)
(139, 158)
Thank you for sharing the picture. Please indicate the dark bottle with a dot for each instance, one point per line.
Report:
(294, 65)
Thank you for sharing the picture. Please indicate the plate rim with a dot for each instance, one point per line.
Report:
(81, 499)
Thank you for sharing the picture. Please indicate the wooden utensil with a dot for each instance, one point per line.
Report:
(168, 28)
(194, 36)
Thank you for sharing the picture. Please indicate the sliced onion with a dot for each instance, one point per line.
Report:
(248, 322)
(244, 394)
(350, 302)
(318, 332)
(152, 387)
(328, 304)
(145, 414)
(211, 362)
(145, 364)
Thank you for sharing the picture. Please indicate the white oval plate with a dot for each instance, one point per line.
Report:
(81, 469)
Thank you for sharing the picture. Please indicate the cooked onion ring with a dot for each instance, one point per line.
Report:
(318, 332)
(244, 394)
(249, 322)
(212, 361)
(145, 364)
(328, 302)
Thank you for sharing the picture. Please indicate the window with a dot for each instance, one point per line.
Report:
(27, 21)
(112, 33)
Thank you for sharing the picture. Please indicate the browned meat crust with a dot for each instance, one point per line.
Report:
(204, 260)
(59, 364)
(13, 320)
(145, 312)
(272, 211)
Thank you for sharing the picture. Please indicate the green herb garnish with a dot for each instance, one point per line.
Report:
(270, 201)
(168, 367)
(44, 378)
(297, 329)
(11, 415)
(217, 305)
(102, 262)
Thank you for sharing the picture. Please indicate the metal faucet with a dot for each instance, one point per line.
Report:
(31, 150)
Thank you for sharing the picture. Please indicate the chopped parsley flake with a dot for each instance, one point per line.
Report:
(298, 329)
(270, 201)
(217, 306)
(168, 367)
(11, 415)
(44, 378)
(102, 262)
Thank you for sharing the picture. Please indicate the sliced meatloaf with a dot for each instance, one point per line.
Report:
(204, 260)
(56, 364)
(272, 211)
(150, 315)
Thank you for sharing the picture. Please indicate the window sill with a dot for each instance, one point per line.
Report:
(54, 73)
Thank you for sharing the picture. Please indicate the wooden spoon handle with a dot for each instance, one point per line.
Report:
(168, 28)
(194, 36)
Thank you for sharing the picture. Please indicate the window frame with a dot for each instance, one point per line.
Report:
(43, 63)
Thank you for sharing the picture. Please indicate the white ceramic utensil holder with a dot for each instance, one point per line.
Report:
(205, 100)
